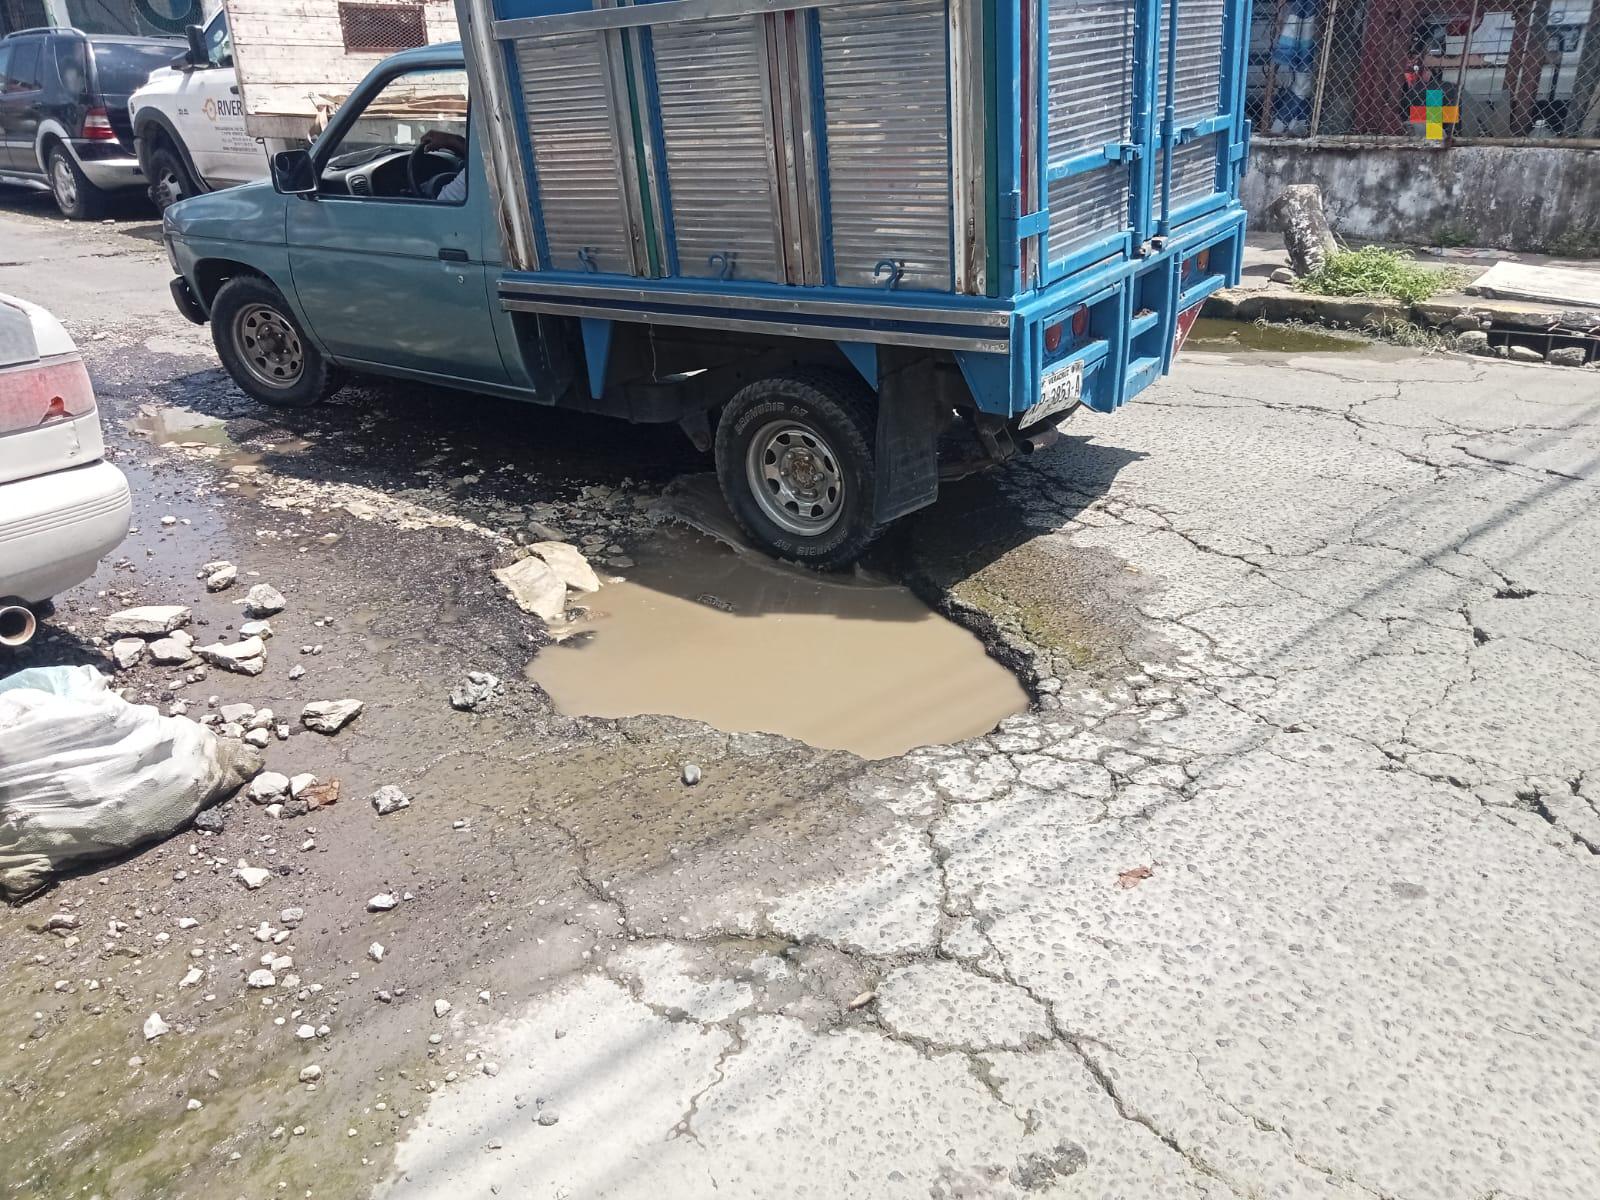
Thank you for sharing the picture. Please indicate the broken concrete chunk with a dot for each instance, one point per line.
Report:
(251, 877)
(264, 600)
(246, 657)
(260, 629)
(299, 783)
(221, 577)
(1567, 356)
(148, 620)
(154, 1027)
(239, 713)
(476, 690)
(388, 799)
(262, 978)
(569, 564)
(269, 787)
(170, 652)
(127, 651)
(330, 716)
(535, 587)
(382, 902)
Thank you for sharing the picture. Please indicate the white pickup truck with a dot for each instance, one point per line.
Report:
(188, 121)
(262, 76)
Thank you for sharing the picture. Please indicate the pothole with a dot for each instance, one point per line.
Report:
(1223, 337)
(747, 644)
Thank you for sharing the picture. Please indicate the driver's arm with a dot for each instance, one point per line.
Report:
(441, 139)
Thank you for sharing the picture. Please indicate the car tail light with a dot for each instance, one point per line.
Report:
(1080, 323)
(57, 389)
(97, 126)
(1052, 337)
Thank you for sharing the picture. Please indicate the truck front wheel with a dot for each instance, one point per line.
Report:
(170, 180)
(263, 348)
(794, 457)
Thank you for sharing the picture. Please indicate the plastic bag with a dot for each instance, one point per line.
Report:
(84, 775)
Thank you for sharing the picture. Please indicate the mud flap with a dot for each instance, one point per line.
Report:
(907, 452)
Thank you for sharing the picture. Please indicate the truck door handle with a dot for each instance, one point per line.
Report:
(450, 254)
(234, 88)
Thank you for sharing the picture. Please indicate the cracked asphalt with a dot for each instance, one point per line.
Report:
(1286, 886)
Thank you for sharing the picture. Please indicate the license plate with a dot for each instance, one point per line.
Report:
(1061, 389)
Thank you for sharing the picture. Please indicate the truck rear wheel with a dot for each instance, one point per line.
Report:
(170, 180)
(794, 457)
(263, 348)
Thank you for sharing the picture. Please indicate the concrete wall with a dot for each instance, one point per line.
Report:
(1515, 197)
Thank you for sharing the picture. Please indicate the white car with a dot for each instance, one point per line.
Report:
(188, 122)
(62, 506)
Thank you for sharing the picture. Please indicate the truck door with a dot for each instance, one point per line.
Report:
(384, 274)
(210, 116)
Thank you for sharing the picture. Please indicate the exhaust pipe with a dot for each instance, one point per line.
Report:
(17, 623)
(1033, 443)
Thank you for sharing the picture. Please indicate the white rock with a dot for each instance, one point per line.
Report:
(310, 1074)
(535, 587)
(388, 799)
(251, 877)
(292, 916)
(222, 577)
(187, 923)
(245, 657)
(299, 783)
(281, 963)
(193, 976)
(263, 719)
(194, 1106)
(296, 671)
(375, 952)
(259, 738)
(382, 902)
(569, 565)
(484, 997)
(441, 1007)
(237, 713)
(127, 651)
(262, 979)
(330, 716)
(147, 620)
(260, 629)
(263, 600)
(170, 651)
(269, 787)
(154, 1027)
(305, 1033)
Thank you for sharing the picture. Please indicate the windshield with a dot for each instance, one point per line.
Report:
(121, 68)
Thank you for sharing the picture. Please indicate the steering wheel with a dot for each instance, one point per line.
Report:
(414, 165)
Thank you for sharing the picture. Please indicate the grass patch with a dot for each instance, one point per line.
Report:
(1374, 271)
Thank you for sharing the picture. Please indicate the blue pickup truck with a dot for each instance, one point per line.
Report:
(848, 247)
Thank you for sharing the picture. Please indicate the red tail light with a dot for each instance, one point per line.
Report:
(97, 126)
(41, 393)
(1080, 323)
(1203, 260)
(1052, 337)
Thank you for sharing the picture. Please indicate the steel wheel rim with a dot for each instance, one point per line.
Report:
(169, 190)
(269, 346)
(66, 186)
(795, 477)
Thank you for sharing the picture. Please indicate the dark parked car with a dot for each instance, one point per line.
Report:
(64, 112)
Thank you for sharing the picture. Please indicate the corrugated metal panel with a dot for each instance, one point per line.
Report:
(1199, 58)
(575, 152)
(1091, 74)
(1194, 170)
(1086, 208)
(888, 141)
(711, 77)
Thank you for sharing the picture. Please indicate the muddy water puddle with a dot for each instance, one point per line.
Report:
(201, 431)
(1227, 336)
(746, 644)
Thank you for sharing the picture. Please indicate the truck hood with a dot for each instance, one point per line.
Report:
(251, 212)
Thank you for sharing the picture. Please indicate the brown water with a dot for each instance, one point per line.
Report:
(1224, 336)
(747, 644)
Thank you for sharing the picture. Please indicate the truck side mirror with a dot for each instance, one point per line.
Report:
(293, 173)
(198, 55)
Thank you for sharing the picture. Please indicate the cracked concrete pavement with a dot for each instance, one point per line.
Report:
(1287, 886)
(1359, 958)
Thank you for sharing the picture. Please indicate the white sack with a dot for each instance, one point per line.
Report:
(84, 775)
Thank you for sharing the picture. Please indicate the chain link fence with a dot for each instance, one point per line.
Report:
(1433, 70)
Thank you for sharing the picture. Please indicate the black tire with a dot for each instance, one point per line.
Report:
(75, 196)
(170, 180)
(830, 422)
(264, 349)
